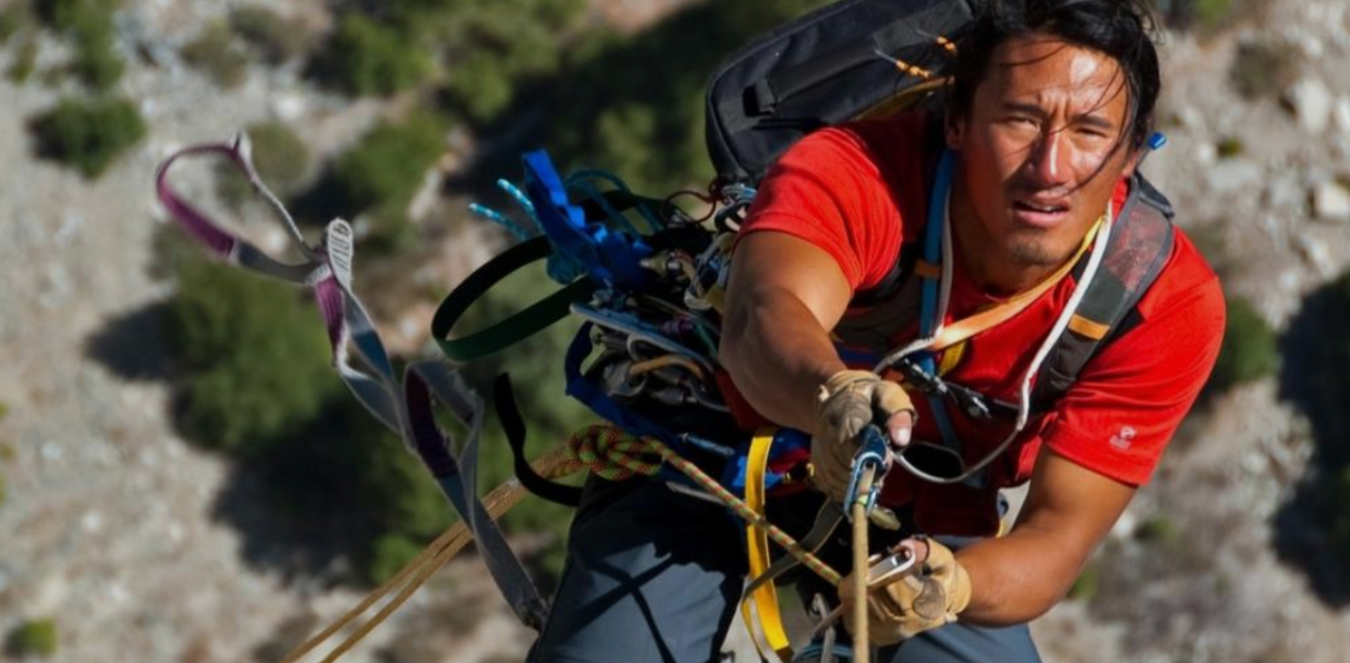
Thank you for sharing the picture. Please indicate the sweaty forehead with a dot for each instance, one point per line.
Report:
(1048, 71)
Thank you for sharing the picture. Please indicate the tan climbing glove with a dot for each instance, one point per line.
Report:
(848, 402)
(916, 603)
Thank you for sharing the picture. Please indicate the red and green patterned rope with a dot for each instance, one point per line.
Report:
(615, 455)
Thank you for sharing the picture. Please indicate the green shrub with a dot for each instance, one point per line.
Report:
(7, 453)
(98, 66)
(495, 47)
(88, 134)
(366, 58)
(1229, 147)
(4, 410)
(1158, 529)
(34, 637)
(1209, 16)
(253, 356)
(1087, 585)
(382, 171)
(96, 62)
(279, 156)
(89, 23)
(2, 490)
(66, 14)
(215, 52)
(1210, 13)
(478, 88)
(275, 38)
(654, 98)
(390, 553)
(13, 20)
(342, 466)
(1250, 348)
(25, 61)
(1263, 70)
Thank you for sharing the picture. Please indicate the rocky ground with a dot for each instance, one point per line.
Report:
(111, 522)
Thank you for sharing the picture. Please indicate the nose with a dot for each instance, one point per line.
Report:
(1048, 161)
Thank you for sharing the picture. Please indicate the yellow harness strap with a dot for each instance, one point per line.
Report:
(764, 600)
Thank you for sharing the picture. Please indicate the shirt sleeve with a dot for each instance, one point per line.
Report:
(1123, 410)
(827, 191)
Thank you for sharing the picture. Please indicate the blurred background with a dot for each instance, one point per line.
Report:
(183, 478)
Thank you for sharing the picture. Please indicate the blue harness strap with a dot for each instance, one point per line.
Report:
(928, 313)
(612, 257)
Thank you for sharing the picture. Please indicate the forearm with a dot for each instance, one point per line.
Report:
(1017, 577)
(778, 355)
(1068, 511)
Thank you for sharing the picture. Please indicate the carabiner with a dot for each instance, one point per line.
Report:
(873, 453)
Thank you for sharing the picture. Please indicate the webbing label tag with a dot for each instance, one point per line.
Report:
(341, 247)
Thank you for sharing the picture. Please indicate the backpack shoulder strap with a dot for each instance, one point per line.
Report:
(908, 256)
(1140, 245)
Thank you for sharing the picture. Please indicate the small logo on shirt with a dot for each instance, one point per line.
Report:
(1124, 438)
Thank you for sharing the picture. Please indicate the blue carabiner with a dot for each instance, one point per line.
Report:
(871, 454)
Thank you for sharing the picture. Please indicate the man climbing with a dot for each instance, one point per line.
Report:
(1013, 190)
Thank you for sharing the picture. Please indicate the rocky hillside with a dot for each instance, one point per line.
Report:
(140, 546)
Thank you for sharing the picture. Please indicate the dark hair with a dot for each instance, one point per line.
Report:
(1120, 29)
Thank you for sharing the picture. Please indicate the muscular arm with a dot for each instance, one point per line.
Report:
(783, 295)
(1020, 576)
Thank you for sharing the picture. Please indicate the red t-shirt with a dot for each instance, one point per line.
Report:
(859, 191)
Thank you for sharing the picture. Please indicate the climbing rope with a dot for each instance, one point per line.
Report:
(554, 464)
(617, 451)
(602, 449)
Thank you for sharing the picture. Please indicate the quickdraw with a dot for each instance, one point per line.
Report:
(405, 409)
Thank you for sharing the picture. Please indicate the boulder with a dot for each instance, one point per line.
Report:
(1311, 102)
(1340, 115)
(1331, 201)
(1316, 253)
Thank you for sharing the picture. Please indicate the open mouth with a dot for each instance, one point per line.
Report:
(1041, 208)
(1040, 213)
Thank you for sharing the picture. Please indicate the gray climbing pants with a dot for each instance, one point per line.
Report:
(654, 575)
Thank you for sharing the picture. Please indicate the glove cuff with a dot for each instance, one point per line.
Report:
(958, 598)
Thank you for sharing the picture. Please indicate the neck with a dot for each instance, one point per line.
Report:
(989, 268)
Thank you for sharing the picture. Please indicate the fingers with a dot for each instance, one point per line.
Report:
(900, 428)
(847, 417)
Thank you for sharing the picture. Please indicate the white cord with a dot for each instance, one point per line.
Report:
(1056, 331)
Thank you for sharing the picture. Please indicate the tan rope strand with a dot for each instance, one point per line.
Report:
(861, 641)
(317, 639)
(402, 597)
(552, 465)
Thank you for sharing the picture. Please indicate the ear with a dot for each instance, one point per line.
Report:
(954, 130)
(1133, 162)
